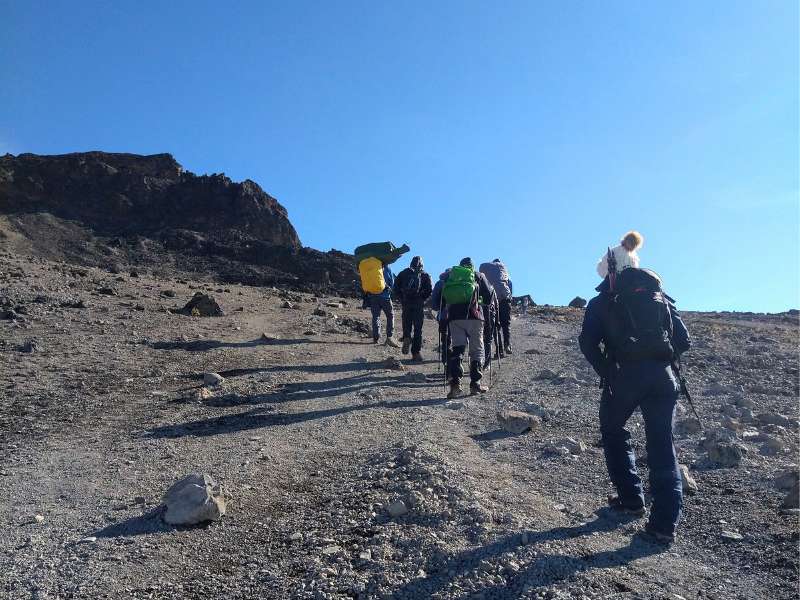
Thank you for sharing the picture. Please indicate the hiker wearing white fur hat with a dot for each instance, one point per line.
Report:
(624, 254)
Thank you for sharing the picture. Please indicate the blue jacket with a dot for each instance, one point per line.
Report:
(593, 332)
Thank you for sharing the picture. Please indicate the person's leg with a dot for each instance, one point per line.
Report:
(375, 309)
(475, 335)
(458, 339)
(407, 322)
(658, 410)
(389, 310)
(615, 410)
(417, 321)
(505, 322)
(488, 332)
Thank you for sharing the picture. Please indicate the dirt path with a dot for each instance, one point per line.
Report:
(312, 437)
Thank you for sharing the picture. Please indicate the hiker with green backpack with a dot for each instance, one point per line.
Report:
(464, 292)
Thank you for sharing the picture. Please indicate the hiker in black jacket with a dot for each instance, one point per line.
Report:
(413, 287)
(632, 335)
(465, 323)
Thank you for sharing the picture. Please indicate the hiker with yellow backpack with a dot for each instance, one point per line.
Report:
(464, 292)
(377, 281)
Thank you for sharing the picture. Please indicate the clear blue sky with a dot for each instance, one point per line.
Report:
(538, 132)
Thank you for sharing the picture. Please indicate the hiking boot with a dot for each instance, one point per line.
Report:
(416, 357)
(507, 350)
(375, 340)
(476, 388)
(455, 390)
(653, 536)
(406, 345)
(625, 509)
(390, 342)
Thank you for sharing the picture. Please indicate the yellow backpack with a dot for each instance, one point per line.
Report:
(371, 271)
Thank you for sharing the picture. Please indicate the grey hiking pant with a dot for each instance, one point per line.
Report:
(378, 304)
(462, 332)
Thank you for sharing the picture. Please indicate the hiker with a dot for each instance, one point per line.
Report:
(497, 274)
(463, 292)
(382, 302)
(624, 254)
(437, 303)
(643, 337)
(413, 287)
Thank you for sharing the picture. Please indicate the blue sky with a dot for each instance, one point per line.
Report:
(538, 132)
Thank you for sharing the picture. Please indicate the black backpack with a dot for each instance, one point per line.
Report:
(639, 323)
(412, 285)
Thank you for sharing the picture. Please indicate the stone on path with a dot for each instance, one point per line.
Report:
(212, 379)
(546, 374)
(688, 426)
(202, 305)
(689, 484)
(731, 536)
(397, 509)
(194, 499)
(516, 422)
(393, 364)
(726, 454)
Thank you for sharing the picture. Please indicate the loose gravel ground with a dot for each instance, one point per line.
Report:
(348, 477)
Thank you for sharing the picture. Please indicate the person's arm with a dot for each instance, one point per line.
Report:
(436, 295)
(388, 277)
(602, 266)
(485, 289)
(592, 336)
(511, 287)
(681, 341)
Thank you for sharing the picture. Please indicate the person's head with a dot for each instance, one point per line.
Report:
(497, 260)
(417, 264)
(466, 262)
(632, 240)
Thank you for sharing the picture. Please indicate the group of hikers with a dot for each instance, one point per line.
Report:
(473, 308)
(632, 335)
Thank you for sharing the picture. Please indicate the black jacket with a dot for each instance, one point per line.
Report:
(421, 295)
(594, 331)
(457, 312)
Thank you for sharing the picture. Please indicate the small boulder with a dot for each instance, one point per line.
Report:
(787, 478)
(392, 364)
(766, 418)
(792, 499)
(517, 422)
(573, 446)
(546, 375)
(689, 484)
(202, 305)
(194, 499)
(287, 304)
(688, 426)
(726, 454)
(29, 347)
(212, 379)
(577, 302)
(397, 509)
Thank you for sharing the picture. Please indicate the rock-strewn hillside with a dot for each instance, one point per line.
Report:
(106, 209)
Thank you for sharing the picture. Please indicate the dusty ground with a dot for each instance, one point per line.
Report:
(313, 437)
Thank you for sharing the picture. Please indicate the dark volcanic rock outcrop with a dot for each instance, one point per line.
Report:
(129, 194)
(100, 208)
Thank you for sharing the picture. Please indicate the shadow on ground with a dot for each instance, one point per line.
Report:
(544, 571)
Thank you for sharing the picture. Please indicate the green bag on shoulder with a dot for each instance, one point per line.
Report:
(459, 288)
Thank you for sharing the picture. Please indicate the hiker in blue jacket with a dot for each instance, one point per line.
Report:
(383, 303)
(642, 336)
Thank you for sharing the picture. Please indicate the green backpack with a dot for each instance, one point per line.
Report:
(460, 286)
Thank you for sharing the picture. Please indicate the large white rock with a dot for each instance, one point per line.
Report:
(194, 499)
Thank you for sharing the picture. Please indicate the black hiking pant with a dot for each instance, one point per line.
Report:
(413, 317)
(505, 321)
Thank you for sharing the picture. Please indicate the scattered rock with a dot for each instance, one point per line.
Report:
(168, 293)
(533, 351)
(29, 347)
(766, 418)
(454, 404)
(87, 540)
(202, 305)
(787, 479)
(771, 445)
(726, 454)
(194, 499)
(267, 338)
(517, 422)
(577, 302)
(792, 499)
(393, 364)
(397, 509)
(212, 379)
(688, 426)
(719, 389)
(287, 304)
(106, 291)
(546, 374)
(689, 484)
(38, 519)
(573, 446)
(731, 536)
(415, 377)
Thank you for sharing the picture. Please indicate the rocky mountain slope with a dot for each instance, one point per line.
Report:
(126, 211)
(347, 473)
